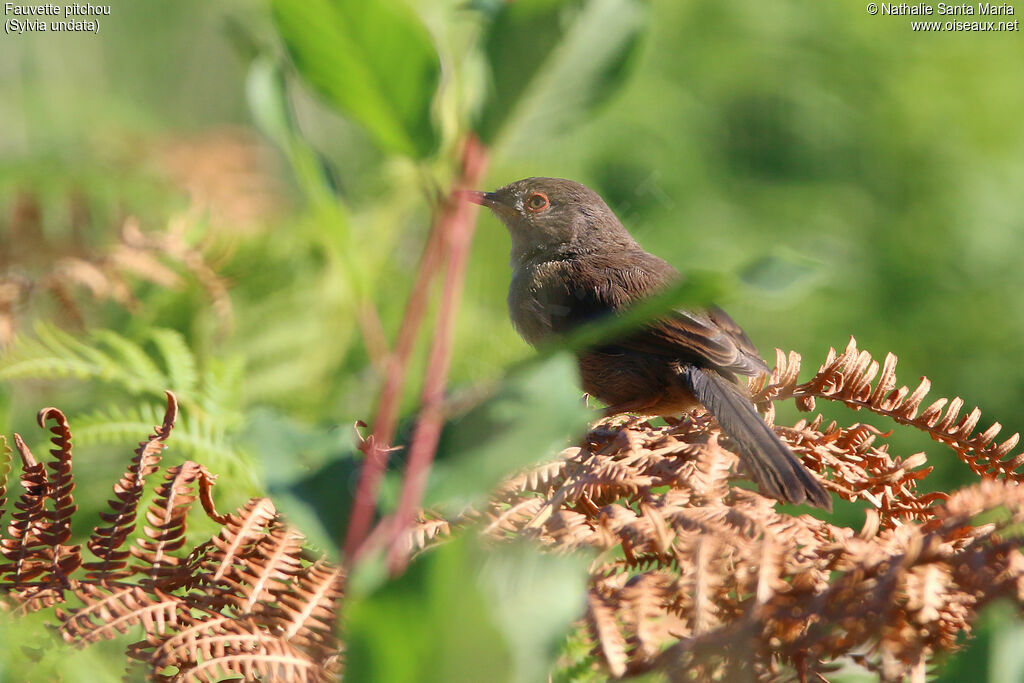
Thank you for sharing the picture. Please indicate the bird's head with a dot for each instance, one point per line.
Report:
(553, 216)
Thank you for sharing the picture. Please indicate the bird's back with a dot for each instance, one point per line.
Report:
(552, 297)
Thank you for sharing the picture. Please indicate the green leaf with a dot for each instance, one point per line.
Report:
(1006, 658)
(463, 614)
(520, 38)
(372, 61)
(535, 598)
(436, 616)
(533, 414)
(781, 272)
(698, 289)
(311, 483)
(268, 100)
(553, 61)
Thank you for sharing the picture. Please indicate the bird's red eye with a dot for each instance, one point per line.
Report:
(538, 201)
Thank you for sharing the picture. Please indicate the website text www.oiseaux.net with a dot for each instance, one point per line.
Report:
(983, 16)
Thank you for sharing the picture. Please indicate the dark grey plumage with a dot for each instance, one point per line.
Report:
(573, 262)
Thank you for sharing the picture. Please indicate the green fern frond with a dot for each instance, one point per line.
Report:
(133, 357)
(182, 372)
(195, 436)
(110, 357)
(221, 393)
(55, 354)
(210, 399)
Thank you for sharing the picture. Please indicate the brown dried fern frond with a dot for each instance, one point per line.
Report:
(111, 609)
(249, 602)
(106, 542)
(161, 564)
(848, 376)
(694, 576)
(60, 491)
(701, 579)
(263, 571)
(35, 267)
(228, 174)
(19, 544)
(37, 558)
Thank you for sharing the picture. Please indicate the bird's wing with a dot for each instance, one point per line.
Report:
(707, 338)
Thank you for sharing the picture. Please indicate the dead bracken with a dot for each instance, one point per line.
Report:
(703, 580)
(694, 576)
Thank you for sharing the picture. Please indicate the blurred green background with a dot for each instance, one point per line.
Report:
(846, 175)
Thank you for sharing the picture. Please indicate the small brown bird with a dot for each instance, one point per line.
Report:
(574, 262)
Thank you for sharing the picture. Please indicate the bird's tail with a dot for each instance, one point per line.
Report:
(778, 472)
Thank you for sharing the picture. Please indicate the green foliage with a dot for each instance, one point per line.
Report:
(310, 482)
(111, 358)
(461, 610)
(267, 97)
(198, 437)
(552, 62)
(439, 621)
(314, 487)
(862, 179)
(32, 652)
(211, 412)
(519, 38)
(535, 598)
(489, 441)
(373, 61)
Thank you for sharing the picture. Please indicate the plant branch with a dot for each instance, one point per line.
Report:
(449, 220)
(458, 219)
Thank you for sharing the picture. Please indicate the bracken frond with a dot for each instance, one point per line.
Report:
(854, 378)
(161, 358)
(306, 608)
(196, 436)
(267, 570)
(113, 609)
(106, 542)
(250, 602)
(703, 580)
(166, 525)
(34, 262)
(248, 650)
(694, 576)
(34, 545)
(19, 545)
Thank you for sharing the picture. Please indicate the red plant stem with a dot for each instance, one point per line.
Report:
(460, 219)
(374, 338)
(377, 446)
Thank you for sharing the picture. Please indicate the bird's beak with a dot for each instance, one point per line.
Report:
(488, 199)
(492, 201)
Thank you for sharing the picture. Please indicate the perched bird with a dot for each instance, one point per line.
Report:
(574, 262)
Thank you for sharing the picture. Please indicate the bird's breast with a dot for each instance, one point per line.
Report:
(533, 303)
(553, 298)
